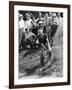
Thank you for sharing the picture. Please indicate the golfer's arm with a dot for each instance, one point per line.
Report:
(43, 46)
(48, 44)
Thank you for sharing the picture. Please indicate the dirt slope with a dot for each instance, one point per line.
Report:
(29, 62)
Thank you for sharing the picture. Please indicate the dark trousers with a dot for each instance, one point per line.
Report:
(20, 36)
(53, 30)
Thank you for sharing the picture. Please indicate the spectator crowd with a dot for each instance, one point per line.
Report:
(38, 32)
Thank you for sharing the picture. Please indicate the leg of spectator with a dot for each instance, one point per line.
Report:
(20, 37)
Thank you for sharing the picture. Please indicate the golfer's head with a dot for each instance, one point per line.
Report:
(41, 24)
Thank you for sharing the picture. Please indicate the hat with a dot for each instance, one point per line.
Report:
(54, 14)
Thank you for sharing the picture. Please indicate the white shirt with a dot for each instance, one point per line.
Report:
(21, 24)
(28, 23)
(60, 20)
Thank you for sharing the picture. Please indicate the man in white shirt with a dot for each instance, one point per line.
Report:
(21, 28)
(29, 23)
(60, 19)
